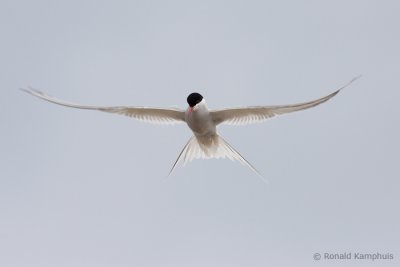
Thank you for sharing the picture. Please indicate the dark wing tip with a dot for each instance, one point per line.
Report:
(24, 90)
(350, 82)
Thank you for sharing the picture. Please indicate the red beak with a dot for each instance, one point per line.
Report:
(190, 109)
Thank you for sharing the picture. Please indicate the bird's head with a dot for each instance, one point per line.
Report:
(193, 99)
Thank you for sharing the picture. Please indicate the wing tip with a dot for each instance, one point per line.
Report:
(32, 91)
(24, 90)
(28, 90)
(350, 82)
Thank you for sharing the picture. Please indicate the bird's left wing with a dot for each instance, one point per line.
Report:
(152, 115)
(247, 115)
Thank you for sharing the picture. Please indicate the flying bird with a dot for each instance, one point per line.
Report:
(205, 143)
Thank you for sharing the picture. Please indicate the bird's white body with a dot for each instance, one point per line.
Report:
(200, 121)
(206, 143)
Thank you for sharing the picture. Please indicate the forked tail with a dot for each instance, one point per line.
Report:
(208, 147)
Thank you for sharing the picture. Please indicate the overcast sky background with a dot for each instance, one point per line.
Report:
(84, 188)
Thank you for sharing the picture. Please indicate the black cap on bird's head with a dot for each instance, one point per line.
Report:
(194, 98)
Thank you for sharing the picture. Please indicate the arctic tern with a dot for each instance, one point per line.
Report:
(206, 143)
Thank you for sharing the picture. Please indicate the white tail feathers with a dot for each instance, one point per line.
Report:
(208, 147)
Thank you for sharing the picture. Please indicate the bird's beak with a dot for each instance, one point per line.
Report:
(190, 109)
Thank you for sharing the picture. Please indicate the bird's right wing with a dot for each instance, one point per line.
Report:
(247, 115)
(152, 115)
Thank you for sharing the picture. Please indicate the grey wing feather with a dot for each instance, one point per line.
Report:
(152, 115)
(247, 115)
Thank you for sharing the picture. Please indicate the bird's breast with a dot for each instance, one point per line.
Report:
(200, 122)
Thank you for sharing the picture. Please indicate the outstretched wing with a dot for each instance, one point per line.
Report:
(247, 115)
(152, 115)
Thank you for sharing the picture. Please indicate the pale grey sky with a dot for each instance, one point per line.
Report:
(82, 188)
